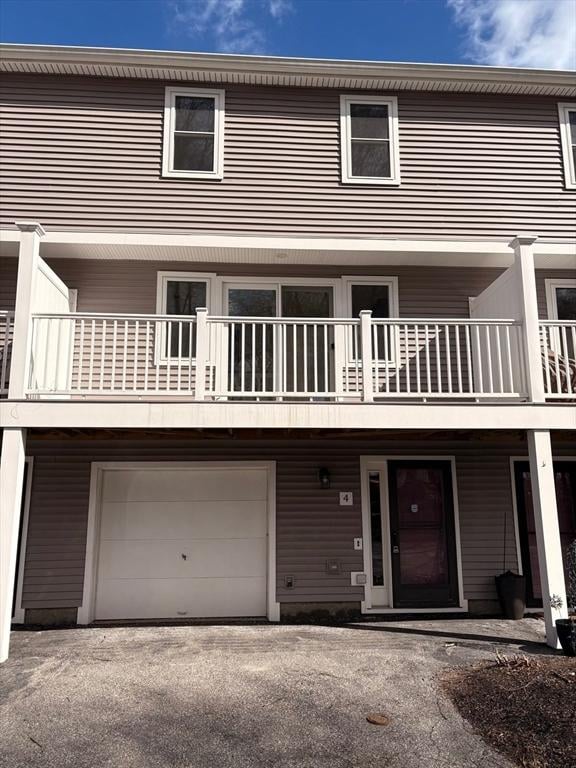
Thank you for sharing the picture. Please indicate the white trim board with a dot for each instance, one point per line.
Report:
(19, 611)
(380, 463)
(86, 610)
(186, 414)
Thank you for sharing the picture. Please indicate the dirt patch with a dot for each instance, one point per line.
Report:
(522, 706)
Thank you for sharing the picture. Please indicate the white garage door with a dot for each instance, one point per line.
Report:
(177, 543)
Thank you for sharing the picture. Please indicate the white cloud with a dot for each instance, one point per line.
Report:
(519, 33)
(231, 26)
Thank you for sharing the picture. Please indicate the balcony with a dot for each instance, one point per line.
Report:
(100, 356)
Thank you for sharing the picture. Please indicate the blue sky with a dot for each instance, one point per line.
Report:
(540, 33)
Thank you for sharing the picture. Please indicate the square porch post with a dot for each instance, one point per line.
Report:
(11, 487)
(547, 531)
(13, 455)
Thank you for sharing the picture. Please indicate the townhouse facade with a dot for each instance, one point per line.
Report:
(283, 337)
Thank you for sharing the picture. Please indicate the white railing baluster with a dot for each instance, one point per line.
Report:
(92, 345)
(135, 372)
(417, 358)
(114, 342)
(102, 355)
(407, 354)
(499, 360)
(458, 359)
(81, 356)
(146, 355)
(285, 358)
(448, 357)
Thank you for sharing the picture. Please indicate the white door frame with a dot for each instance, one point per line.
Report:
(19, 611)
(86, 610)
(380, 463)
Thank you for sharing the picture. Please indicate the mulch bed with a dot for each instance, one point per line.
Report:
(525, 707)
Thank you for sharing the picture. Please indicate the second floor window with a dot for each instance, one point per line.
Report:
(369, 140)
(193, 133)
(567, 115)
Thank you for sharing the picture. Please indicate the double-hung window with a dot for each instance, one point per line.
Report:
(193, 133)
(567, 116)
(369, 140)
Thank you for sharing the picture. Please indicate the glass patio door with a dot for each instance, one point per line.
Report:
(308, 347)
(251, 346)
(291, 357)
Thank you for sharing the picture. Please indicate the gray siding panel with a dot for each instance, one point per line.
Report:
(86, 153)
(311, 526)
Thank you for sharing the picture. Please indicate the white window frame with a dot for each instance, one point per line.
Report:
(217, 172)
(162, 280)
(392, 284)
(551, 299)
(346, 100)
(564, 110)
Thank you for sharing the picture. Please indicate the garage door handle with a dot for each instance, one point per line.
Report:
(183, 556)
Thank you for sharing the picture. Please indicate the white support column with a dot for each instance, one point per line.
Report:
(547, 531)
(28, 257)
(11, 489)
(526, 275)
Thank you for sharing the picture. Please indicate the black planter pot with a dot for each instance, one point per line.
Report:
(511, 588)
(566, 629)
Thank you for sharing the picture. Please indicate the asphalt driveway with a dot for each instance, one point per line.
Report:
(235, 696)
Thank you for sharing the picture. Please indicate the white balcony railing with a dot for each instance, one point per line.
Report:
(558, 348)
(259, 358)
(6, 331)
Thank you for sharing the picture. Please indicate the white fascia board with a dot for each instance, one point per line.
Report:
(225, 415)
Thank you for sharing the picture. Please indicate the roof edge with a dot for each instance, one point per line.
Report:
(142, 63)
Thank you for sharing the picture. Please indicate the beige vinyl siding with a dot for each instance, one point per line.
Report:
(311, 526)
(86, 153)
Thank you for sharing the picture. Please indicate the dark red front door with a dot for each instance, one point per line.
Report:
(422, 537)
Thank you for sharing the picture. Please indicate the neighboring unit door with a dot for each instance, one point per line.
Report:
(422, 534)
(182, 542)
(565, 482)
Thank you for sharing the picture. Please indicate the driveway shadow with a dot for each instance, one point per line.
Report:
(529, 646)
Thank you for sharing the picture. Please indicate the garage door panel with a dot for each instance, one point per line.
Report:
(183, 519)
(162, 559)
(176, 485)
(188, 541)
(180, 598)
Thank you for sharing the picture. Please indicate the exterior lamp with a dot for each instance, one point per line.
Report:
(324, 477)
